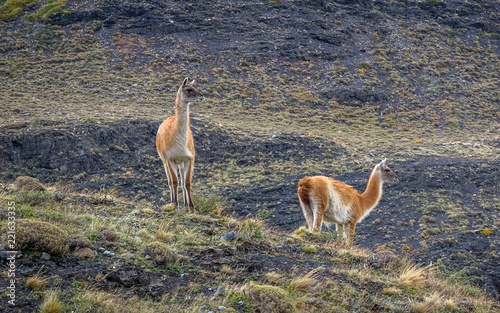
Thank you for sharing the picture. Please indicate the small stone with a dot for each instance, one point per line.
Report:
(219, 291)
(128, 256)
(221, 307)
(466, 305)
(85, 253)
(45, 256)
(229, 236)
(102, 249)
(240, 302)
(147, 257)
(184, 274)
(4, 255)
(108, 253)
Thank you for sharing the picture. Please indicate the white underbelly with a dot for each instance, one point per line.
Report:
(179, 155)
(336, 211)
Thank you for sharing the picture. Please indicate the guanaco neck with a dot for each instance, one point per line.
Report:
(182, 115)
(373, 192)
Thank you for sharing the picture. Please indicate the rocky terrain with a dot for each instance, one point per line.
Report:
(293, 88)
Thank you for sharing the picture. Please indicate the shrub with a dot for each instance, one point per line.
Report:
(272, 299)
(160, 253)
(40, 236)
(12, 8)
(206, 205)
(28, 183)
(34, 198)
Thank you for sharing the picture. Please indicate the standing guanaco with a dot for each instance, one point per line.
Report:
(325, 200)
(175, 144)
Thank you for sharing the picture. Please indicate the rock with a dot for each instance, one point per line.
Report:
(4, 255)
(129, 276)
(219, 292)
(108, 235)
(469, 306)
(128, 257)
(229, 236)
(76, 242)
(108, 253)
(45, 256)
(221, 307)
(84, 253)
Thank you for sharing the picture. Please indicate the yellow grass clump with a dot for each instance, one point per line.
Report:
(411, 277)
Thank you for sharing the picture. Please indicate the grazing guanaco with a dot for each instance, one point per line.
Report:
(325, 200)
(175, 144)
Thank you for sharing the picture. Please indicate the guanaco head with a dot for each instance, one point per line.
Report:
(188, 93)
(386, 174)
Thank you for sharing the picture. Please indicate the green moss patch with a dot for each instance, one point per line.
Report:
(13, 8)
(39, 236)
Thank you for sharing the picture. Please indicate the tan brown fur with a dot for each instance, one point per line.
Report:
(326, 200)
(175, 144)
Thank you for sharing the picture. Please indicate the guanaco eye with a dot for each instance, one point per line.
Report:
(387, 170)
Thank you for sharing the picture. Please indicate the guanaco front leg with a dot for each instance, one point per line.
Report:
(340, 229)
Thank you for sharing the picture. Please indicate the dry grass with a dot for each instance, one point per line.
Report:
(307, 282)
(299, 233)
(412, 277)
(273, 277)
(51, 303)
(226, 270)
(165, 236)
(148, 211)
(36, 283)
(168, 207)
(392, 291)
(431, 304)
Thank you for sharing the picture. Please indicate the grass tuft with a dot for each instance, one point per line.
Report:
(51, 303)
(431, 304)
(273, 277)
(411, 277)
(307, 282)
(36, 283)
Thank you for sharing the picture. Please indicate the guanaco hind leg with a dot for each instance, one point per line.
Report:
(308, 215)
(175, 183)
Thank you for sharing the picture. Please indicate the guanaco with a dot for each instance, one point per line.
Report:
(325, 200)
(175, 144)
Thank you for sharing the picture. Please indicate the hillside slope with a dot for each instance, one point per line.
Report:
(292, 88)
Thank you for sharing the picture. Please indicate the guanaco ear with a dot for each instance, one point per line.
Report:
(192, 83)
(185, 81)
(383, 161)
